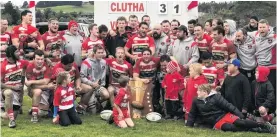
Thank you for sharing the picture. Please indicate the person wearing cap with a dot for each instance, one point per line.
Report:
(246, 53)
(236, 88)
(184, 49)
(265, 41)
(73, 42)
(173, 84)
(253, 24)
(214, 76)
(162, 41)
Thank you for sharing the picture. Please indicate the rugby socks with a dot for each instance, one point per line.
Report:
(11, 114)
(34, 110)
(267, 117)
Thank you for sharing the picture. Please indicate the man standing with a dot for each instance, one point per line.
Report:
(38, 76)
(217, 22)
(236, 88)
(253, 24)
(5, 38)
(162, 41)
(174, 27)
(91, 41)
(166, 27)
(12, 82)
(120, 39)
(266, 49)
(73, 42)
(93, 76)
(208, 27)
(184, 49)
(54, 41)
(117, 67)
(246, 53)
(191, 24)
(19, 33)
(203, 40)
(139, 42)
(133, 23)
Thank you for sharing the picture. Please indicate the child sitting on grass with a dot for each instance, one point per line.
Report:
(121, 109)
(64, 110)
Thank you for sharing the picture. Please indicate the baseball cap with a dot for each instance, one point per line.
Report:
(183, 28)
(235, 62)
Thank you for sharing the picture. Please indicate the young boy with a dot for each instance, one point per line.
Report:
(196, 78)
(214, 110)
(213, 75)
(121, 110)
(262, 95)
(173, 84)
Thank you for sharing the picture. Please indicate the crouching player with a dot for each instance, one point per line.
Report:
(64, 109)
(12, 82)
(121, 110)
(217, 112)
(38, 76)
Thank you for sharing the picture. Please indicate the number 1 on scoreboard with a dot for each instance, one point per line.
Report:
(176, 9)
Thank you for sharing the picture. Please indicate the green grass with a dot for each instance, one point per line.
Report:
(87, 8)
(93, 126)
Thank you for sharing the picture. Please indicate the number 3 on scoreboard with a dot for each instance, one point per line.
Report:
(162, 8)
(176, 8)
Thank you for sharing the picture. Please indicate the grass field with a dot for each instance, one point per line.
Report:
(93, 126)
(87, 8)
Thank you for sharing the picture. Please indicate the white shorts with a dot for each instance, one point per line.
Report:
(16, 98)
(45, 97)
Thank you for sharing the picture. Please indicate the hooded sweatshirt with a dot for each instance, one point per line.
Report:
(185, 52)
(191, 90)
(246, 53)
(262, 90)
(162, 45)
(74, 46)
(232, 26)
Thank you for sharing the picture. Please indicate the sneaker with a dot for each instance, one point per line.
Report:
(270, 128)
(12, 124)
(34, 119)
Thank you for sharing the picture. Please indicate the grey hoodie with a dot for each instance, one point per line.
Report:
(74, 46)
(232, 25)
(246, 53)
(161, 45)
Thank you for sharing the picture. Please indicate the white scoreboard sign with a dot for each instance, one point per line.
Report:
(106, 12)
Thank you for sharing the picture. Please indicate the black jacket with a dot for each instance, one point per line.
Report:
(210, 110)
(262, 94)
(249, 28)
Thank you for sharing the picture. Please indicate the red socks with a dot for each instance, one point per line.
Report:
(10, 114)
(34, 110)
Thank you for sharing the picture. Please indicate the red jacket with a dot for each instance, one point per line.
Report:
(191, 90)
(173, 83)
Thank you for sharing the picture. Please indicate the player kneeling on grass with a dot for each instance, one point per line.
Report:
(217, 112)
(121, 110)
(64, 109)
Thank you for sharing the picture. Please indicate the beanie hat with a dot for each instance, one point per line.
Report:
(254, 18)
(263, 73)
(172, 66)
(72, 23)
(31, 30)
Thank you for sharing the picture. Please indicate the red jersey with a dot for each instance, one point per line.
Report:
(122, 99)
(173, 83)
(222, 50)
(74, 72)
(5, 40)
(191, 90)
(146, 70)
(64, 97)
(213, 75)
(11, 74)
(20, 32)
(204, 44)
(116, 70)
(137, 44)
(50, 40)
(33, 74)
(89, 44)
(173, 36)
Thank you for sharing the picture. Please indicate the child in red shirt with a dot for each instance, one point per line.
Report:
(173, 84)
(64, 110)
(121, 109)
(196, 78)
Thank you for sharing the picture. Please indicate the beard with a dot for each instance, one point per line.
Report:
(156, 35)
(181, 38)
